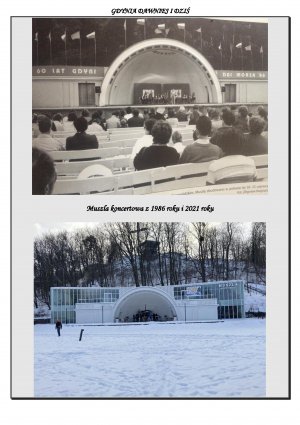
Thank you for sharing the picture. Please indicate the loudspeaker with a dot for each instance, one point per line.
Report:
(223, 89)
(97, 89)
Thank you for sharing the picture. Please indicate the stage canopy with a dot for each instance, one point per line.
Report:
(159, 61)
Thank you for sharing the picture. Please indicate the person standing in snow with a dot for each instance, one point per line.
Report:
(58, 326)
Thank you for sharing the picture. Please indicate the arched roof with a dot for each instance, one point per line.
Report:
(159, 60)
(153, 298)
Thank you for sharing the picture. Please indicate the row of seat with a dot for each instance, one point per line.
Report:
(155, 180)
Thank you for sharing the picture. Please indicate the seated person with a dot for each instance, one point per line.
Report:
(44, 140)
(113, 121)
(86, 114)
(43, 173)
(231, 168)
(145, 140)
(171, 119)
(57, 120)
(242, 120)
(223, 135)
(135, 120)
(81, 140)
(69, 124)
(195, 115)
(201, 150)
(181, 114)
(158, 154)
(255, 143)
(263, 113)
(94, 126)
(177, 142)
(216, 121)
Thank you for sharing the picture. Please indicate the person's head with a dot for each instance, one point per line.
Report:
(161, 132)
(45, 125)
(81, 124)
(231, 142)
(176, 137)
(262, 112)
(128, 110)
(116, 113)
(214, 114)
(72, 116)
(195, 107)
(85, 113)
(34, 118)
(228, 117)
(43, 173)
(95, 117)
(135, 113)
(122, 113)
(243, 111)
(57, 117)
(195, 115)
(182, 109)
(203, 126)
(256, 125)
(148, 125)
(171, 113)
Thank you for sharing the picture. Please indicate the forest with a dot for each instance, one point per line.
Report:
(144, 254)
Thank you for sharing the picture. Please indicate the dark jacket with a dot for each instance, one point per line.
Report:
(255, 144)
(155, 156)
(81, 141)
(135, 122)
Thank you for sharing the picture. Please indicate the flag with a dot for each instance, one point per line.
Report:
(75, 35)
(91, 35)
(140, 21)
(64, 36)
(161, 26)
(36, 36)
(261, 50)
(125, 25)
(198, 30)
(239, 45)
(248, 48)
(220, 46)
(181, 26)
(157, 31)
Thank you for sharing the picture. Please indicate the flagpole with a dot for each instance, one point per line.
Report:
(125, 34)
(50, 40)
(37, 51)
(145, 30)
(262, 60)
(66, 46)
(242, 56)
(95, 50)
(80, 49)
(184, 34)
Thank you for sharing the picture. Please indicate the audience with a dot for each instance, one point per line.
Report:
(263, 113)
(231, 168)
(94, 125)
(69, 124)
(172, 119)
(242, 120)
(223, 135)
(44, 140)
(135, 120)
(145, 140)
(201, 150)
(81, 140)
(57, 122)
(158, 154)
(181, 114)
(195, 115)
(216, 121)
(255, 143)
(43, 173)
(86, 114)
(128, 113)
(177, 142)
(113, 121)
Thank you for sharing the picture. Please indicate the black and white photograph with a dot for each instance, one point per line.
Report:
(150, 309)
(154, 105)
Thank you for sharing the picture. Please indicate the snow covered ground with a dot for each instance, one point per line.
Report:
(223, 359)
